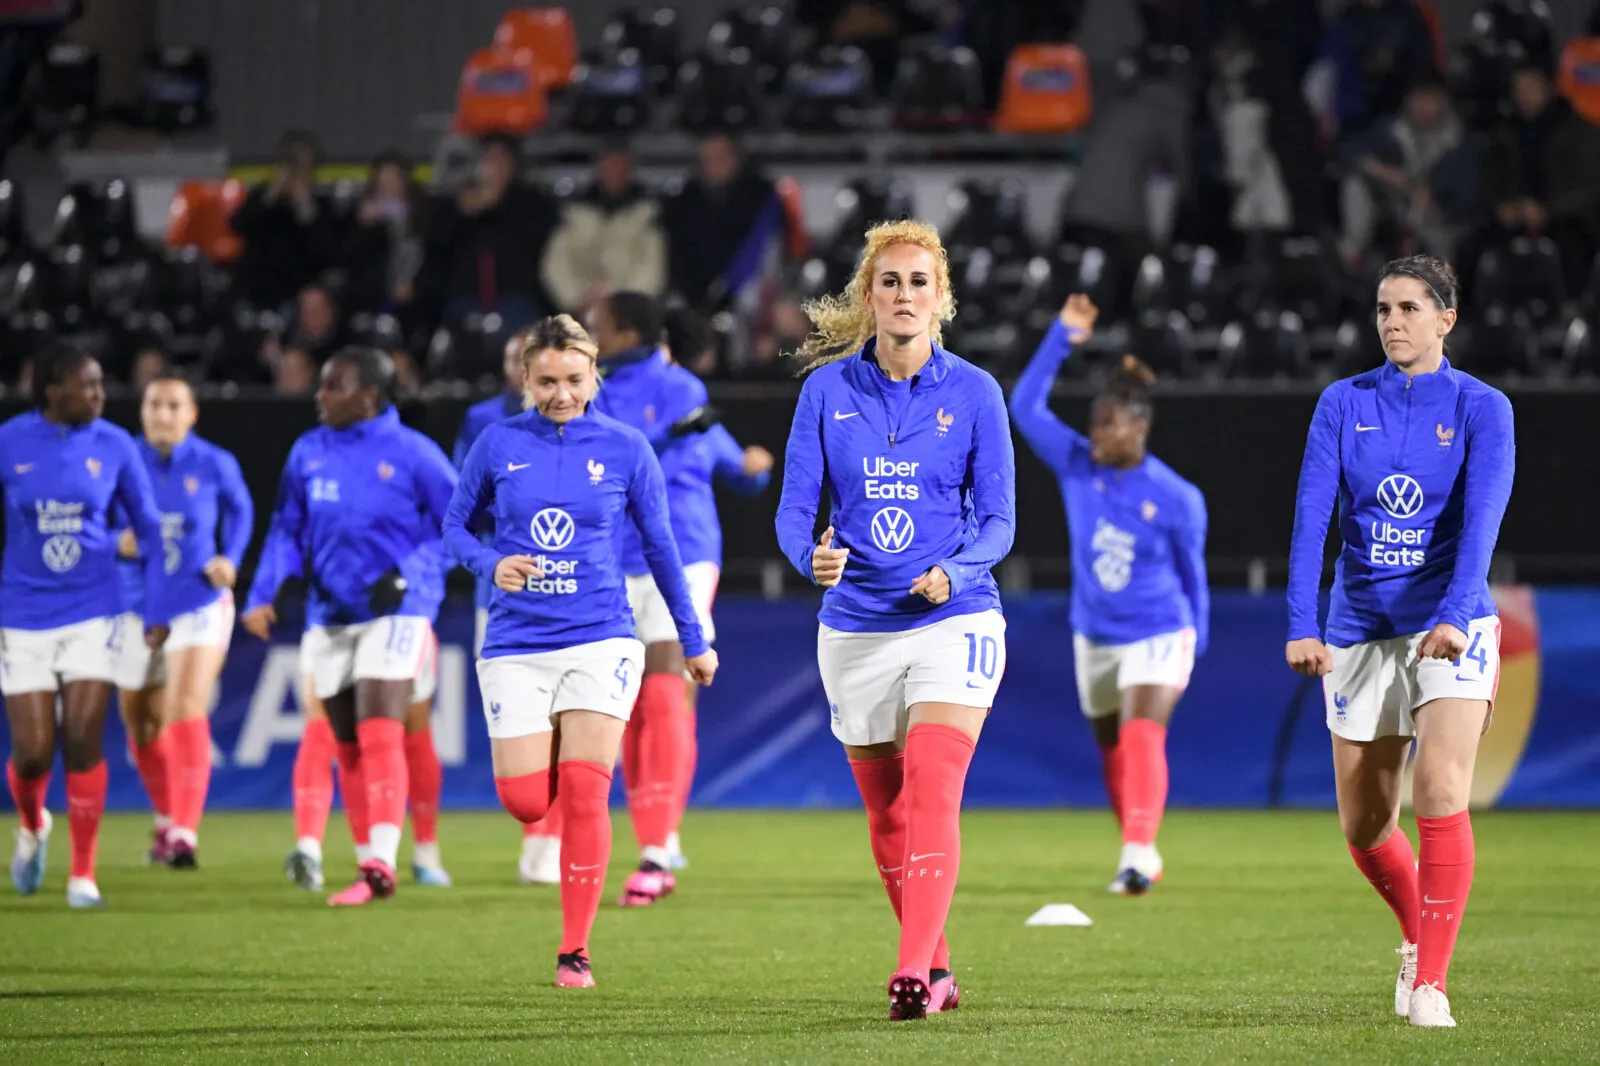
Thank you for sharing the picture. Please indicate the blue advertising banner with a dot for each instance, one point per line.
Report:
(1248, 733)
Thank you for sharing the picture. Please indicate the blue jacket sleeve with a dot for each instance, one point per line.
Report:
(727, 463)
(237, 517)
(1491, 464)
(1189, 554)
(803, 470)
(647, 507)
(136, 498)
(468, 503)
(465, 439)
(1051, 439)
(1313, 507)
(992, 480)
(684, 393)
(283, 554)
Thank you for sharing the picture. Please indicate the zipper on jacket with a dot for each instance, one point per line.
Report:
(1405, 429)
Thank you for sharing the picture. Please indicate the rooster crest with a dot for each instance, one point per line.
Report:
(945, 421)
(596, 472)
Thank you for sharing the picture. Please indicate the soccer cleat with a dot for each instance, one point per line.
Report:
(943, 992)
(27, 862)
(181, 855)
(572, 970)
(1141, 860)
(540, 863)
(83, 894)
(675, 857)
(909, 996)
(160, 853)
(648, 884)
(1130, 882)
(304, 870)
(376, 882)
(1408, 977)
(1430, 1009)
(431, 876)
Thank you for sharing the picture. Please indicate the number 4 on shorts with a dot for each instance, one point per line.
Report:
(1476, 653)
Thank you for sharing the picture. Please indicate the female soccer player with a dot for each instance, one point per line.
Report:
(910, 445)
(165, 695)
(561, 666)
(61, 468)
(1420, 458)
(1140, 605)
(359, 522)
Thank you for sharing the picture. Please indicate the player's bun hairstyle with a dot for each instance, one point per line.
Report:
(843, 323)
(374, 370)
(51, 365)
(638, 313)
(1434, 273)
(557, 333)
(1130, 386)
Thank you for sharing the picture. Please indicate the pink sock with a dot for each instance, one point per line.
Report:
(881, 784)
(937, 758)
(1392, 869)
(313, 780)
(1111, 766)
(1445, 878)
(28, 793)
(585, 788)
(426, 783)
(151, 761)
(86, 803)
(383, 763)
(653, 799)
(525, 798)
(353, 790)
(1142, 749)
(189, 758)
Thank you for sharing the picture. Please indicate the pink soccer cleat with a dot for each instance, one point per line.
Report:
(909, 996)
(648, 884)
(943, 992)
(160, 853)
(376, 882)
(572, 970)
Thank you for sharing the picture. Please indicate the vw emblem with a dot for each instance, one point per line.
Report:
(893, 530)
(1400, 495)
(61, 553)
(552, 529)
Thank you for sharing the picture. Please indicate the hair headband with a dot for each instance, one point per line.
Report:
(1408, 272)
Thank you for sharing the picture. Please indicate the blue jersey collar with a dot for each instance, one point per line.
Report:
(935, 369)
(629, 357)
(545, 428)
(183, 448)
(1392, 376)
(382, 422)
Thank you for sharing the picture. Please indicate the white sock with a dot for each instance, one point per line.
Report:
(363, 853)
(674, 847)
(384, 841)
(426, 856)
(660, 856)
(163, 822)
(309, 846)
(186, 835)
(1142, 857)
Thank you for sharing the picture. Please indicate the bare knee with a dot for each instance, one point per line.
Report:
(1367, 829)
(31, 765)
(80, 751)
(1441, 790)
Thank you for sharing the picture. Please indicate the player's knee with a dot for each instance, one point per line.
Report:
(80, 752)
(525, 798)
(1366, 829)
(31, 764)
(1440, 793)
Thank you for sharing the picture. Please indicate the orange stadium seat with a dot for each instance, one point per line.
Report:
(1046, 90)
(1580, 76)
(548, 33)
(198, 217)
(500, 92)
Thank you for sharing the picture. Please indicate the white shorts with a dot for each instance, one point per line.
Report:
(1104, 670)
(210, 626)
(426, 683)
(522, 694)
(385, 649)
(42, 660)
(1375, 687)
(480, 626)
(652, 621)
(872, 679)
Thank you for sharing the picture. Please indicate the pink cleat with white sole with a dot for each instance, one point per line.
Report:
(572, 970)
(376, 882)
(909, 996)
(648, 884)
(943, 992)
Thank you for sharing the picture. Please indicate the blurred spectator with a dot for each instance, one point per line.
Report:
(1543, 176)
(1418, 176)
(484, 245)
(294, 374)
(787, 328)
(407, 375)
(721, 227)
(148, 365)
(610, 237)
(1373, 50)
(384, 250)
(287, 228)
(318, 329)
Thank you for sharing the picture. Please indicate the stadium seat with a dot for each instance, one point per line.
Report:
(828, 92)
(766, 32)
(1093, 271)
(1526, 274)
(714, 92)
(1299, 275)
(64, 279)
(74, 219)
(1164, 339)
(1046, 90)
(610, 96)
(1152, 291)
(116, 226)
(176, 90)
(1497, 341)
(183, 290)
(991, 215)
(1578, 353)
(651, 31)
(14, 243)
(938, 88)
(1580, 77)
(66, 94)
(548, 33)
(1356, 348)
(1201, 287)
(858, 205)
(1270, 345)
(500, 92)
(198, 217)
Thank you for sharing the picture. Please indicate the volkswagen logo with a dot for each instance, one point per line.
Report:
(1400, 495)
(552, 529)
(893, 530)
(61, 553)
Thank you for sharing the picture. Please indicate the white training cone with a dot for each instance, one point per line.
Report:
(1059, 914)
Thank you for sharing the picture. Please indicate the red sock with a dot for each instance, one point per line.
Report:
(1111, 765)
(1142, 750)
(1445, 878)
(548, 826)
(936, 761)
(353, 790)
(86, 802)
(189, 756)
(630, 750)
(427, 782)
(1392, 869)
(653, 799)
(691, 756)
(383, 763)
(151, 760)
(880, 782)
(525, 798)
(585, 849)
(28, 792)
(313, 780)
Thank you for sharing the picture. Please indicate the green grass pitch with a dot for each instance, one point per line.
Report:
(1263, 944)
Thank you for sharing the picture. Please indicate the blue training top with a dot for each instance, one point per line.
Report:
(479, 417)
(1421, 467)
(1138, 535)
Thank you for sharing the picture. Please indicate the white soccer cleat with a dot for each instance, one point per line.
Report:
(1430, 1009)
(83, 894)
(540, 863)
(1408, 977)
(1143, 861)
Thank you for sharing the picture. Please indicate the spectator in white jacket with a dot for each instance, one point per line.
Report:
(609, 240)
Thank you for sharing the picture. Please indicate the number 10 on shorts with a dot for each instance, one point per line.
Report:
(983, 655)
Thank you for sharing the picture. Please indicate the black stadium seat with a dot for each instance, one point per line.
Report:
(828, 92)
(653, 33)
(989, 215)
(610, 96)
(938, 88)
(175, 93)
(714, 92)
(766, 32)
(14, 243)
(65, 95)
(1526, 275)
(1299, 274)
(1269, 345)
(1165, 340)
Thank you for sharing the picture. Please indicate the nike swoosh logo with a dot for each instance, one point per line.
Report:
(1366, 429)
(890, 869)
(837, 417)
(580, 869)
(23, 468)
(1469, 677)
(929, 855)
(514, 467)
(1435, 902)
(971, 685)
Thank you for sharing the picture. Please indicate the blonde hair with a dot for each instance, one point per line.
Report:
(843, 323)
(557, 333)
